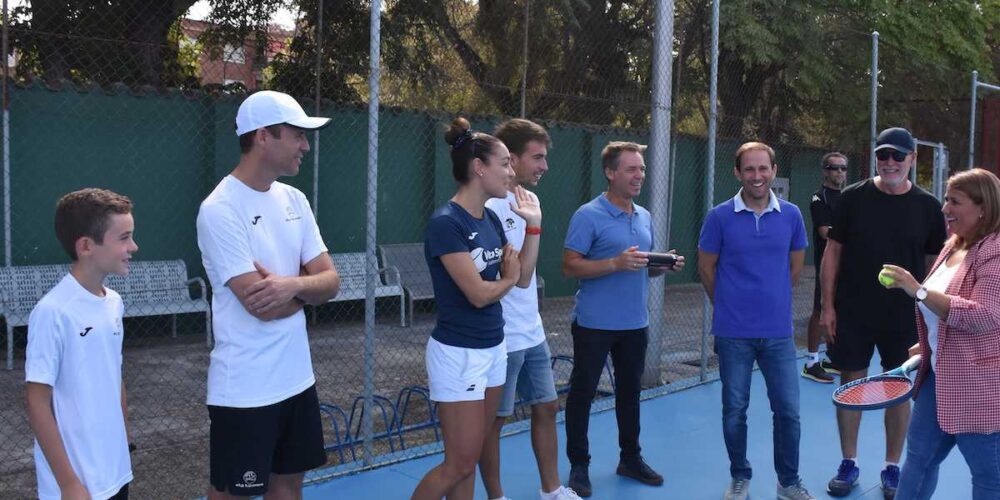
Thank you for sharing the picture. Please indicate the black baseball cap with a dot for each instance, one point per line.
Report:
(897, 138)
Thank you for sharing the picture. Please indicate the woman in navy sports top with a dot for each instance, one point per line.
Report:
(472, 266)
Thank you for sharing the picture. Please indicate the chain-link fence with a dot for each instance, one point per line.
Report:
(140, 98)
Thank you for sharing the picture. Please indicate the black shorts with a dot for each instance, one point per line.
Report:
(122, 493)
(248, 444)
(853, 347)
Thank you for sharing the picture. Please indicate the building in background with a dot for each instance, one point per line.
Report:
(234, 63)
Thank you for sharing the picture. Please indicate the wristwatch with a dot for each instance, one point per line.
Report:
(921, 294)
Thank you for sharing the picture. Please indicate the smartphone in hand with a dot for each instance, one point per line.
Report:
(664, 260)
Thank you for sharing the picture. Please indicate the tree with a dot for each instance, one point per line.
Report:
(106, 41)
(798, 72)
(344, 61)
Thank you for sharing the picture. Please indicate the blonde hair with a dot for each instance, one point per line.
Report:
(983, 188)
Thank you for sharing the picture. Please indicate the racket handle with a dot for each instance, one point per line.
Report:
(908, 366)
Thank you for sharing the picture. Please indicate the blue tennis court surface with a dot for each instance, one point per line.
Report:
(682, 439)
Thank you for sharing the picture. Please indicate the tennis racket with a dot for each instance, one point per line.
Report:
(878, 391)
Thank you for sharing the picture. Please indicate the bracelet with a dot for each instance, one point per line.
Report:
(533, 230)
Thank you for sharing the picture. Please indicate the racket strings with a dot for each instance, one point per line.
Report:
(874, 391)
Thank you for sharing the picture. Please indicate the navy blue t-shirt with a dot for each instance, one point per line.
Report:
(450, 230)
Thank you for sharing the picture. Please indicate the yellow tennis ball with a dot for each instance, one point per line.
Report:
(885, 279)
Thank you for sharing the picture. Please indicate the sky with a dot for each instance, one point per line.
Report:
(284, 17)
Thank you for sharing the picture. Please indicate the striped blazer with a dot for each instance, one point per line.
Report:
(968, 350)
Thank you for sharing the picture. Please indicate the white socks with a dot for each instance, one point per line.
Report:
(553, 495)
(813, 359)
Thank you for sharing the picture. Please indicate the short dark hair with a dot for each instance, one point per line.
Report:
(516, 133)
(465, 146)
(834, 154)
(246, 140)
(614, 149)
(753, 146)
(86, 213)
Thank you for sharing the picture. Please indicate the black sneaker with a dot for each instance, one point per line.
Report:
(816, 373)
(845, 480)
(829, 367)
(579, 480)
(639, 470)
(890, 481)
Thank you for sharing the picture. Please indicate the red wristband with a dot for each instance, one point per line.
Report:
(533, 230)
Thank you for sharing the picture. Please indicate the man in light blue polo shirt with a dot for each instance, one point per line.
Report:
(605, 249)
(751, 251)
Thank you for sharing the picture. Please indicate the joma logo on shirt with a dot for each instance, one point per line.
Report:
(86, 331)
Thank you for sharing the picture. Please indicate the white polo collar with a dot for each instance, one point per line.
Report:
(772, 203)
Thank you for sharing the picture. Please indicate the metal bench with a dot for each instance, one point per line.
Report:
(414, 275)
(151, 288)
(159, 287)
(411, 271)
(21, 287)
(351, 268)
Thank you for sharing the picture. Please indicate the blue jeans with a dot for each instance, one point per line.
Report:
(529, 375)
(777, 361)
(927, 446)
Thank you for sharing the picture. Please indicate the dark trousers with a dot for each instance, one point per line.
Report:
(590, 350)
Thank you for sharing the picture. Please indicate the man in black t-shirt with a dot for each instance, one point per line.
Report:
(824, 202)
(885, 220)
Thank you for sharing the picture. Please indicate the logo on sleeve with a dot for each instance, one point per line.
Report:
(291, 214)
(473, 235)
(86, 331)
(509, 224)
(255, 219)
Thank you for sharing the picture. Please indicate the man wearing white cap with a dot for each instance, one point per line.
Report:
(264, 255)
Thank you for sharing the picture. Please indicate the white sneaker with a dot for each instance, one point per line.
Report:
(563, 493)
(739, 489)
(794, 492)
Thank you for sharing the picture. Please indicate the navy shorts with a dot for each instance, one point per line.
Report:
(248, 444)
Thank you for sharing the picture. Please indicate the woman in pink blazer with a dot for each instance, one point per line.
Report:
(958, 323)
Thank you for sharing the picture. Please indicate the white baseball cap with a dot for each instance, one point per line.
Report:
(267, 107)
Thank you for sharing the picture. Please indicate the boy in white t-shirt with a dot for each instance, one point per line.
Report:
(265, 258)
(529, 368)
(73, 368)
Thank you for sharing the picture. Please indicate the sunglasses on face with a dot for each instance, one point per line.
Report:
(885, 154)
(841, 168)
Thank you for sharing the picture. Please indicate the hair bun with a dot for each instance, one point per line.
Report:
(459, 129)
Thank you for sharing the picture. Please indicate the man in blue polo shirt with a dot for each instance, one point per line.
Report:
(606, 250)
(751, 251)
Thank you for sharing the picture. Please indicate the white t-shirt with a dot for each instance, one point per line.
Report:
(75, 346)
(938, 282)
(522, 323)
(255, 363)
